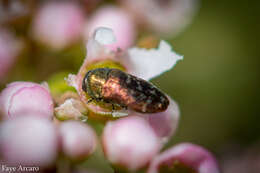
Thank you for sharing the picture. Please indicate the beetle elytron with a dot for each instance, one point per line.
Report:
(117, 87)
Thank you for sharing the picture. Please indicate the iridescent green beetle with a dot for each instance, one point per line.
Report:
(117, 87)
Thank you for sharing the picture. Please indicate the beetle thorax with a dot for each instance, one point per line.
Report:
(95, 82)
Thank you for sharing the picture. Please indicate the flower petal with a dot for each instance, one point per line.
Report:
(96, 48)
(148, 64)
(104, 36)
(70, 109)
(119, 21)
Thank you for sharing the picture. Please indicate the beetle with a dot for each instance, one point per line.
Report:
(119, 88)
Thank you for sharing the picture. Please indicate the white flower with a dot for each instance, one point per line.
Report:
(140, 62)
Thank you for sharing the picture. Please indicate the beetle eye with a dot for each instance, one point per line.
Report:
(84, 84)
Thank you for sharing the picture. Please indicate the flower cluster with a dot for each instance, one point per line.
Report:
(131, 141)
(29, 135)
(57, 125)
(60, 25)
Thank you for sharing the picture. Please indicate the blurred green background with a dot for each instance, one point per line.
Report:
(216, 85)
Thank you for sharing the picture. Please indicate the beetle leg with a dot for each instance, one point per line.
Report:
(90, 100)
(113, 107)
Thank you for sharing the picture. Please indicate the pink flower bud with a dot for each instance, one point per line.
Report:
(9, 50)
(165, 123)
(26, 98)
(58, 24)
(78, 139)
(117, 20)
(166, 17)
(130, 143)
(28, 140)
(185, 156)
